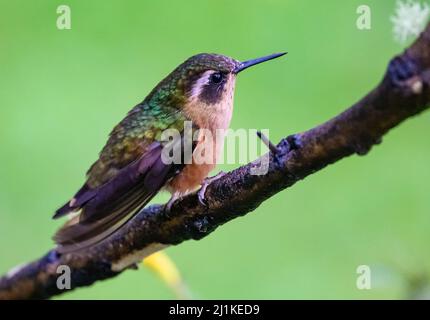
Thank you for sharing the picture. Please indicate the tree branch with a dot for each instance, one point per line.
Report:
(403, 93)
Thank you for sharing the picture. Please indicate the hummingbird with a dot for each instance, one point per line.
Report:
(130, 170)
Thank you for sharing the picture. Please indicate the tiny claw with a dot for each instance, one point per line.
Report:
(206, 183)
(169, 204)
(201, 195)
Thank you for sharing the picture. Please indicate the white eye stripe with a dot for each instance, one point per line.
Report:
(201, 82)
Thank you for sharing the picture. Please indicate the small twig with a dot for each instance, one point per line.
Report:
(267, 142)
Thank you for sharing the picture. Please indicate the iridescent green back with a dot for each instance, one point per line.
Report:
(161, 109)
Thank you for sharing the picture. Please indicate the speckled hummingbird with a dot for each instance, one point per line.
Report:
(130, 170)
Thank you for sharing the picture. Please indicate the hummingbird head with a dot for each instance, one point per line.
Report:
(210, 78)
(205, 79)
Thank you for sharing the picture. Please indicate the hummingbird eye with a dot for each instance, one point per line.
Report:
(217, 77)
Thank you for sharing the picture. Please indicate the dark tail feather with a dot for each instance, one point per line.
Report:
(81, 197)
(63, 211)
(77, 236)
(108, 207)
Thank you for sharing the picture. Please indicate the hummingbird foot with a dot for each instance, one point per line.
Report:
(205, 184)
(168, 206)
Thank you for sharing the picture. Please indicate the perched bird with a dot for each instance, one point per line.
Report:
(130, 170)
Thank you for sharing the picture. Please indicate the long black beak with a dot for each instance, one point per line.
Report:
(246, 64)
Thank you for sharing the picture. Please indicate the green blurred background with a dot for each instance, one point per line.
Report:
(63, 91)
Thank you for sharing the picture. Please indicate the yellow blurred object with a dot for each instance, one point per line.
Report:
(165, 268)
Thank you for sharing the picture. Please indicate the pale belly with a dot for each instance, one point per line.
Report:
(213, 118)
(190, 178)
(192, 175)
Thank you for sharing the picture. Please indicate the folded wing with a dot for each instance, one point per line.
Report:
(106, 208)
